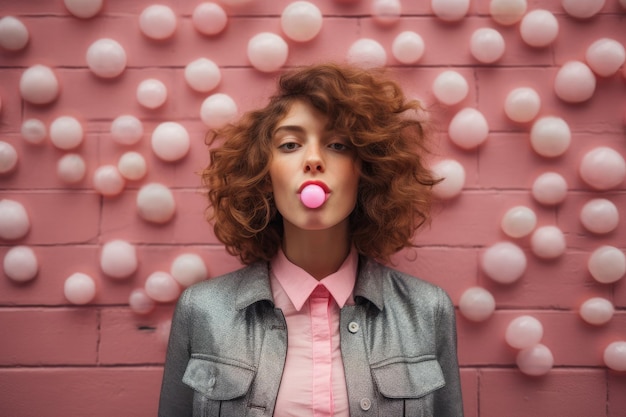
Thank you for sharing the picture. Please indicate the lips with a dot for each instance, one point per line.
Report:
(318, 183)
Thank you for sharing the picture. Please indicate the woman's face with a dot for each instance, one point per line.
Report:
(303, 151)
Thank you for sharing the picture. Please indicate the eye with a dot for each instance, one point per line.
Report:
(288, 146)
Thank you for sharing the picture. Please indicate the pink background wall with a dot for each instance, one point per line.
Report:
(103, 359)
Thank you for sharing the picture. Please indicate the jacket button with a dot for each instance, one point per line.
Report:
(353, 327)
(365, 404)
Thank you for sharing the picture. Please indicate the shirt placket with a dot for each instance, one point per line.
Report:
(321, 338)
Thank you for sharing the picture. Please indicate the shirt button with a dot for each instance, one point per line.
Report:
(365, 404)
(353, 327)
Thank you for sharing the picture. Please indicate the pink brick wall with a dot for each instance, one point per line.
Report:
(103, 359)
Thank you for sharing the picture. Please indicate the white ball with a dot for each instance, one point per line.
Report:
(83, 9)
(386, 12)
(162, 287)
(14, 35)
(487, 45)
(39, 85)
(507, 12)
(267, 52)
(118, 259)
(582, 9)
(218, 110)
(550, 136)
(548, 242)
(34, 131)
(408, 47)
(605, 56)
(504, 262)
(450, 10)
(477, 304)
(71, 168)
(574, 82)
(301, 21)
(599, 215)
(151, 93)
(468, 128)
(157, 22)
(79, 288)
(108, 181)
(8, 157)
(66, 133)
(607, 264)
(535, 360)
(132, 166)
(202, 75)
(126, 130)
(106, 58)
(615, 356)
(209, 18)
(518, 221)
(450, 87)
(539, 28)
(170, 141)
(14, 221)
(523, 332)
(453, 175)
(597, 311)
(20, 264)
(188, 269)
(522, 104)
(549, 188)
(367, 53)
(155, 203)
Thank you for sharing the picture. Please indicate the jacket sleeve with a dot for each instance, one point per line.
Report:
(448, 401)
(177, 398)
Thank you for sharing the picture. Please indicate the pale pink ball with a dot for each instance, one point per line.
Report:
(301, 21)
(188, 269)
(155, 203)
(597, 311)
(539, 28)
(582, 9)
(518, 221)
(574, 82)
(605, 56)
(453, 175)
(108, 181)
(218, 110)
(450, 10)
(522, 104)
(203, 75)
(504, 262)
(603, 168)
(477, 304)
(34, 131)
(548, 242)
(39, 85)
(367, 53)
(599, 215)
(607, 264)
(267, 52)
(8, 157)
(14, 35)
(151, 93)
(132, 166)
(14, 220)
(549, 188)
(157, 22)
(487, 45)
(468, 128)
(106, 58)
(535, 360)
(523, 332)
(66, 133)
(126, 130)
(386, 12)
(20, 264)
(550, 136)
(162, 287)
(209, 18)
(83, 9)
(408, 47)
(170, 141)
(450, 87)
(140, 302)
(507, 12)
(118, 259)
(79, 288)
(615, 356)
(71, 168)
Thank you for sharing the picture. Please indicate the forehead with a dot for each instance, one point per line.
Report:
(303, 114)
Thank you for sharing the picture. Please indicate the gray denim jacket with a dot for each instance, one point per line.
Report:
(228, 344)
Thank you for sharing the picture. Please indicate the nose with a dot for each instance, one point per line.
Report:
(314, 161)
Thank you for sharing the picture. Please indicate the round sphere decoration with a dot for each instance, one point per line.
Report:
(20, 264)
(450, 87)
(507, 12)
(607, 264)
(477, 304)
(202, 75)
(535, 360)
(14, 35)
(79, 288)
(522, 104)
(386, 12)
(267, 52)
(367, 53)
(582, 9)
(605, 56)
(140, 302)
(539, 28)
(155, 203)
(14, 221)
(66, 133)
(39, 85)
(603, 168)
(151, 93)
(108, 181)
(487, 45)
(132, 166)
(170, 141)
(518, 221)
(188, 269)
(549, 188)
(71, 168)
(106, 58)
(8, 157)
(597, 311)
(157, 22)
(126, 130)
(408, 47)
(34, 131)
(453, 175)
(118, 259)
(83, 9)
(162, 287)
(523, 332)
(450, 10)
(574, 82)
(468, 128)
(217, 110)
(504, 262)
(301, 21)
(615, 356)
(209, 18)
(599, 216)
(550, 136)
(548, 242)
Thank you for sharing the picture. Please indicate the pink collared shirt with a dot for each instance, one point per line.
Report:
(313, 383)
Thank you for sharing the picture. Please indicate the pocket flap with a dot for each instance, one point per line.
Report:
(408, 379)
(218, 380)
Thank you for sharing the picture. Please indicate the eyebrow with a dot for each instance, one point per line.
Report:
(288, 128)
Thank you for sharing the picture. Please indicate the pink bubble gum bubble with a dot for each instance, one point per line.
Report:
(574, 82)
(468, 128)
(599, 216)
(14, 35)
(106, 58)
(550, 136)
(522, 104)
(386, 12)
(597, 311)
(20, 264)
(453, 175)
(39, 85)
(170, 141)
(132, 166)
(301, 21)
(367, 53)
(535, 360)
(507, 12)
(126, 130)
(34, 131)
(582, 9)
(450, 87)
(217, 110)
(79, 288)
(66, 133)
(108, 181)
(603, 168)
(313, 196)
(548, 242)
(202, 75)
(155, 203)
(8, 158)
(139, 301)
(188, 269)
(518, 221)
(477, 304)
(523, 331)
(71, 168)
(209, 18)
(118, 259)
(83, 9)
(162, 287)
(549, 188)
(408, 47)
(615, 356)
(267, 52)
(14, 221)
(539, 28)
(151, 93)
(487, 45)
(504, 262)
(157, 22)
(450, 10)
(607, 264)
(605, 56)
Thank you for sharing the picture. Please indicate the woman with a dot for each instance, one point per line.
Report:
(311, 192)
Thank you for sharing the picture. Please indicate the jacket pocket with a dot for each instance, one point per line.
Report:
(214, 381)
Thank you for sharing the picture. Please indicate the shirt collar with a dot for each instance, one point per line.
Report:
(299, 285)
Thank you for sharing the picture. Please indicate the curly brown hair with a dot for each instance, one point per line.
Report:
(394, 195)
